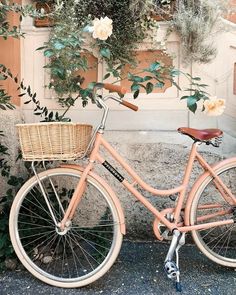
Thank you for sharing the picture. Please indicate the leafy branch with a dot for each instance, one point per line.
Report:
(197, 92)
(26, 91)
(6, 30)
(156, 76)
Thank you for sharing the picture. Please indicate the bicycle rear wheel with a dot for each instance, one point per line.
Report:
(217, 243)
(82, 253)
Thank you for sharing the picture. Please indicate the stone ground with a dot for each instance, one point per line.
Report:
(138, 270)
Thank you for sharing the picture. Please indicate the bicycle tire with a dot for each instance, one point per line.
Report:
(81, 255)
(217, 243)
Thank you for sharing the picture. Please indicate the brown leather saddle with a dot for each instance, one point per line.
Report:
(204, 135)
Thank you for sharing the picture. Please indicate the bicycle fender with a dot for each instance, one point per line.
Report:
(197, 184)
(107, 188)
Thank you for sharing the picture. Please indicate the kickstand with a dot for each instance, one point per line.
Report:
(180, 244)
(171, 267)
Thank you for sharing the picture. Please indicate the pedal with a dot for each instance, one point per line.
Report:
(171, 270)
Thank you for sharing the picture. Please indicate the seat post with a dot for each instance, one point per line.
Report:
(187, 174)
(191, 159)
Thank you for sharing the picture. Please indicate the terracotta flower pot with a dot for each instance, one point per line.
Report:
(45, 21)
(164, 15)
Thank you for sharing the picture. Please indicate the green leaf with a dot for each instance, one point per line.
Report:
(33, 97)
(136, 79)
(116, 73)
(60, 72)
(91, 85)
(48, 53)
(3, 241)
(193, 108)
(159, 85)
(147, 78)
(136, 94)
(106, 76)
(184, 97)
(105, 52)
(41, 48)
(14, 181)
(176, 85)
(85, 92)
(192, 103)
(154, 66)
(2, 77)
(130, 76)
(175, 72)
(119, 67)
(135, 87)
(149, 87)
(50, 116)
(196, 78)
(191, 100)
(29, 91)
(2, 107)
(58, 45)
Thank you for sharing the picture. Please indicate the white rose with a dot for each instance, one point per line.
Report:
(214, 106)
(102, 28)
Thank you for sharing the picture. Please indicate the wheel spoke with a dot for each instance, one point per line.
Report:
(82, 250)
(218, 243)
(100, 237)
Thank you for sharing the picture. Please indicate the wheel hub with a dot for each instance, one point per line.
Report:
(63, 232)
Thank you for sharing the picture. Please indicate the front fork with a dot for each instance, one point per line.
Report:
(65, 223)
(45, 194)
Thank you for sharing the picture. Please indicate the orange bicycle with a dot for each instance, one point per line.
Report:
(67, 225)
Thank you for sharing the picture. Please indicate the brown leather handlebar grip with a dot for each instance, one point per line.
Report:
(129, 105)
(115, 88)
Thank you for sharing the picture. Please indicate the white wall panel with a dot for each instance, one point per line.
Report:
(158, 111)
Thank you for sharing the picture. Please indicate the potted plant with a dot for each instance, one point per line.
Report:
(197, 23)
(46, 6)
(164, 9)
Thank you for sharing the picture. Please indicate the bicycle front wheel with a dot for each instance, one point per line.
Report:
(217, 243)
(85, 250)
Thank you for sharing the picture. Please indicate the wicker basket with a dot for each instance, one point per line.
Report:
(53, 141)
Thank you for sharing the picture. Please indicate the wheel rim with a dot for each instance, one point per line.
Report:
(218, 243)
(81, 251)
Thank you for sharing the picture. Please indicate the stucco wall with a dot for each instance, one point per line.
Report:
(8, 120)
(156, 152)
(157, 111)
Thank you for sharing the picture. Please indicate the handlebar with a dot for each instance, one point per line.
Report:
(129, 105)
(116, 88)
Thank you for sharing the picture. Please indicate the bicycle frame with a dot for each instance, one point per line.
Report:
(194, 155)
